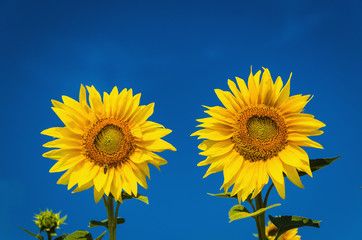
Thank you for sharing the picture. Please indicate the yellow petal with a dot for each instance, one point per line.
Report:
(240, 99)
(275, 169)
(158, 145)
(279, 186)
(66, 163)
(95, 101)
(213, 134)
(83, 187)
(131, 109)
(140, 156)
(83, 99)
(253, 89)
(301, 140)
(284, 94)
(70, 121)
(58, 154)
(61, 132)
(141, 179)
(108, 183)
(292, 174)
(142, 114)
(75, 173)
(98, 194)
(64, 179)
(243, 90)
(89, 171)
(232, 166)
(63, 143)
(228, 100)
(100, 180)
(136, 131)
(287, 156)
(126, 180)
(265, 89)
(295, 104)
(155, 134)
(219, 148)
(113, 98)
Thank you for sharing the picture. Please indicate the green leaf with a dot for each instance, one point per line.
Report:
(285, 223)
(240, 212)
(228, 195)
(316, 164)
(104, 223)
(79, 235)
(120, 220)
(61, 237)
(33, 234)
(94, 223)
(224, 195)
(100, 236)
(140, 197)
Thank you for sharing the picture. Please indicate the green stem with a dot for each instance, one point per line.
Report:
(261, 217)
(116, 214)
(258, 227)
(112, 220)
(256, 219)
(49, 235)
(267, 195)
(252, 205)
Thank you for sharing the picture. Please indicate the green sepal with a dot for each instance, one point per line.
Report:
(285, 223)
(61, 237)
(79, 235)
(104, 223)
(240, 212)
(33, 234)
(255, 235)
(100, 236)
(140, 197)
(316, 164)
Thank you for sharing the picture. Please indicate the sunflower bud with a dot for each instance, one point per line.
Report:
(48, 221)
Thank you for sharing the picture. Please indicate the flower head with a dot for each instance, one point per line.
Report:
(271, 231)
(48, 221)
(108, 144)
(257, 134)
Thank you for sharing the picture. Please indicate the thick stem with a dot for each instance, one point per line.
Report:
(258, 227)
(256, 218)
(49, 235)
(261, 217)
(112, 221)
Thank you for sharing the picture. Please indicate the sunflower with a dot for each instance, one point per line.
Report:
(271, 230)
(108, 144)
(258, 134)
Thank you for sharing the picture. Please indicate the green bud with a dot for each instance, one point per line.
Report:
(48, 221)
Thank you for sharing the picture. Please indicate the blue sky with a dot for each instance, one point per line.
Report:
(176, 53)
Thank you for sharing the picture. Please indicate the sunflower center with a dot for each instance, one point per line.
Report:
(262, 128)
(108, 142)
(260, 133)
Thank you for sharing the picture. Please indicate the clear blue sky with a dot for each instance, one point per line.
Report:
(176, 53)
